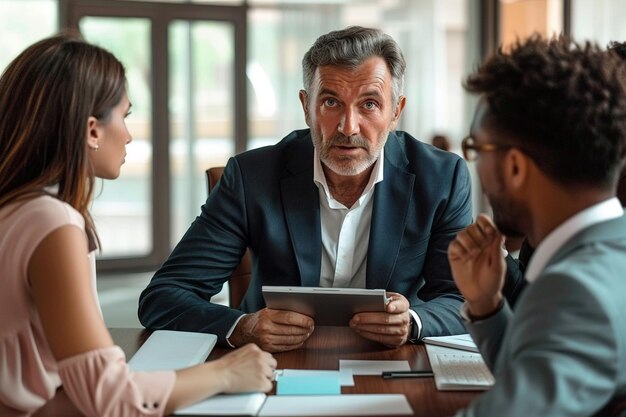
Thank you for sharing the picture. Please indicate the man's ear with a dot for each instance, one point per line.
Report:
(304, 99)
(397, 112)
(94, 133)
(516, 168)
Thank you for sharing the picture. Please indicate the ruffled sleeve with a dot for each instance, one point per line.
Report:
(100, 384)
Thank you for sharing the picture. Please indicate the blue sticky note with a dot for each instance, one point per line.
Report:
(308, 385)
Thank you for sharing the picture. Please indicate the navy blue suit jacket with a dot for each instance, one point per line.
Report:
(267, 201)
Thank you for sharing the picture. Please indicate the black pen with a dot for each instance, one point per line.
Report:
(406, 374)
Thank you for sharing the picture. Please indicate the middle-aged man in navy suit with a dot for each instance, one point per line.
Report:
(350, 202)
(549, 140)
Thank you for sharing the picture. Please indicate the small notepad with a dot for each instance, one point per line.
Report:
(167, 350)
(308, 384)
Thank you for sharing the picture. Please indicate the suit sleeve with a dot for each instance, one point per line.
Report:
(559, 352)
(179, 295)
(441, 300)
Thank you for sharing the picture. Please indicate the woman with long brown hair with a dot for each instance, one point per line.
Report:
(63, 105)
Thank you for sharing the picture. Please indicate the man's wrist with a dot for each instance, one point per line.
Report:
(234, 335)
(415, 327)
(484, 310)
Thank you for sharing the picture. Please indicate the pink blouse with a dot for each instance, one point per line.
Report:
(98, 382)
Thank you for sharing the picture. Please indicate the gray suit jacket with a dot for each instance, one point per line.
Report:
(563, 351)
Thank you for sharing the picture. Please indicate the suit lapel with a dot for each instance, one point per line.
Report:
(391, 203)
(300, 200)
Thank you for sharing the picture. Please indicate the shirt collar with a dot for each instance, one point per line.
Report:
(320, 179)
(598, 213)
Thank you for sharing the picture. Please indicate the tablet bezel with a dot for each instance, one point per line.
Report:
(327, 306)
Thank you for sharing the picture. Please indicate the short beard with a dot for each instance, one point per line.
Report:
(346, 166)
(508, 216)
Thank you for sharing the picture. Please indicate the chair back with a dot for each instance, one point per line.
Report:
(615, 408)
(240, 279)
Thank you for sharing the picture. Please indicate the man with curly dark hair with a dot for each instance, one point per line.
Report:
(549, 139)
(515, 283)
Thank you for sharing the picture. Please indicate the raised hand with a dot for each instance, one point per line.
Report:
(478, 265)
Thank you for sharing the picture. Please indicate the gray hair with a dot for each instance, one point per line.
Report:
(351, 46)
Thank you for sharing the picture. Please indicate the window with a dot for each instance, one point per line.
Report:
(18, 32)
(601, 21)
(434, 35)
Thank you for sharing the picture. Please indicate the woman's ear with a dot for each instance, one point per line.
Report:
(94, 134)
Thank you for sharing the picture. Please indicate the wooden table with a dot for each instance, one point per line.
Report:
(328, 345)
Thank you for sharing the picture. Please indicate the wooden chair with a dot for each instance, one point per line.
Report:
(240, 279)
(615, 408)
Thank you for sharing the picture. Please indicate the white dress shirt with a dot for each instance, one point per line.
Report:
(346, 232)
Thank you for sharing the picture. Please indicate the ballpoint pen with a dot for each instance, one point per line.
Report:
(406, 374)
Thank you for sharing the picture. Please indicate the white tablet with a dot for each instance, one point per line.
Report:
(328, 306)
(171, 350)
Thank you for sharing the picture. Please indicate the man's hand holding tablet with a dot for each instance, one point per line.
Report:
(392, 327)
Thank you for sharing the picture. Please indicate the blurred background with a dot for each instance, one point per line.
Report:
(211, 79)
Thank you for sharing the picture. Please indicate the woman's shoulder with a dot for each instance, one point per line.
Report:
(43, 211)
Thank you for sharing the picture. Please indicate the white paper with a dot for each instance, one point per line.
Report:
(372, 367)
(336, 405)
(226, 405)
(345, 375)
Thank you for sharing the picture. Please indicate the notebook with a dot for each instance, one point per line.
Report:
(170, 350)
(226, 405)
(459, 341)
(458, 370)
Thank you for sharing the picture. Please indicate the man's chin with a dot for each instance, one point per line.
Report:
(508, 230)
(348, 169)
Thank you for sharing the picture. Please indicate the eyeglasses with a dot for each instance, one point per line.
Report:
(471, 149)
